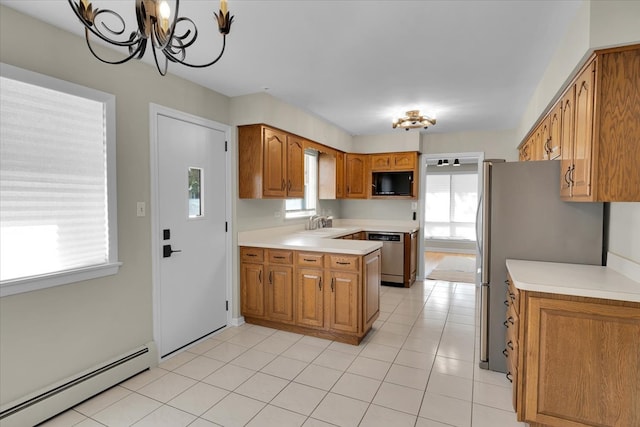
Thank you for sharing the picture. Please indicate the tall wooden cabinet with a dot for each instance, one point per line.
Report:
(271, 163)
(574, 361)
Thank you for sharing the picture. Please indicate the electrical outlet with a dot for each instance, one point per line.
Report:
(141, 209)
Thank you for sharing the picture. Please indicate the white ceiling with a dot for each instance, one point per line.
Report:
(472, 64)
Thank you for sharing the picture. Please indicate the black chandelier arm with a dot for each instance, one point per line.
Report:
(172, 58)
(94, 26)
(162, 71)
(136, 52)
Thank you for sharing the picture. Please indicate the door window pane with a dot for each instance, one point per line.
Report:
(195, 192)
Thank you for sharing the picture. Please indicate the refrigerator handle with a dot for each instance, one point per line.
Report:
(478, 243)
(486, 222)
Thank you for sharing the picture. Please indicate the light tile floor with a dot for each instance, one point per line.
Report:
(417, 367)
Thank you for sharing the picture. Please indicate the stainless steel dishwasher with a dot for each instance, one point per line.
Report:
(392, 255)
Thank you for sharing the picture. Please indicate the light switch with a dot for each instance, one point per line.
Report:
(141, 209)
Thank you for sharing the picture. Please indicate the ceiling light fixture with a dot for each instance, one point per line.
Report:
(413, 120)
(439, 163)
(155, 26)
(456, 162)
(445, 162)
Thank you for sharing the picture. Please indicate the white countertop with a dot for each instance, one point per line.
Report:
(573, 279)
(321, 240)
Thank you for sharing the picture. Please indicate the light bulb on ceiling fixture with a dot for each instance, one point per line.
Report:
(439, 163)
(456, 162)
(445, 162)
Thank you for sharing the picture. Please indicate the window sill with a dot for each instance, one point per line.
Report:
(34, 283)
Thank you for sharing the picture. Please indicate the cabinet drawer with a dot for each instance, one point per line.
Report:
(310, 259)
(280, 257)
(252, 254)
(342, 262)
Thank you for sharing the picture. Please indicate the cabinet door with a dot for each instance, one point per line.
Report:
(555, 139)
(274, 172)
(344, 302)
(295, 167)
(581, 170)
(566, 130)
(280, 293)
(380, 162)
(537, 144)
(581, 363)
(356, 169)
(252, 290)
(525, 151)
(404, 161)
(340, 184)
(310, 303)
(371, 281)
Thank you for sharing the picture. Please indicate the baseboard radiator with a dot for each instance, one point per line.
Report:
(58, 397)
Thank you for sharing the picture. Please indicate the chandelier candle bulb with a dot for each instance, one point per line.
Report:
(223, 6)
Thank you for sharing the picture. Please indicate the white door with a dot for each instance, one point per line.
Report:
(191, 225)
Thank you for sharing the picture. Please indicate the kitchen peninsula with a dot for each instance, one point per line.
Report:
(314, 282)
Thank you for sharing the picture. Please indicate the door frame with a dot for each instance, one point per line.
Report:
(423, 195)
(156, 110)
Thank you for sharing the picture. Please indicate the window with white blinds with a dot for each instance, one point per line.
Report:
(57, 182)
(450, 205)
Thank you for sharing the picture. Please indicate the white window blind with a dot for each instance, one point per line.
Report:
(54, 192)
(296, 208)
(451, 204)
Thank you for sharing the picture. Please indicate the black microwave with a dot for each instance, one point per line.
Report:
(392, 183)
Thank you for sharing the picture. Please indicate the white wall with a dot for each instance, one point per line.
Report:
(48, 335)
(499, 144)
(394, 141)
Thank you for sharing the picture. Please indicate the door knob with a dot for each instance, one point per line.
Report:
(167, 251)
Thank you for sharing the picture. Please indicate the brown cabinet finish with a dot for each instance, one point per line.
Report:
(295, 167)
(326, 295)
(597, 117)
(340, 176)
(356, 176)
(271, 163)
(574, 360)
(400, 161)
(310, 301)
(410, 258)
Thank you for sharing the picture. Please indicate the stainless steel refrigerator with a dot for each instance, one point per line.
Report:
(524, 218)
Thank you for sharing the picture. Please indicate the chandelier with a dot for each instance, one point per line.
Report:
(413, 120)
(169, 36)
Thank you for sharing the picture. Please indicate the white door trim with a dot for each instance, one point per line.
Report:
(423, 192)
(156, 110)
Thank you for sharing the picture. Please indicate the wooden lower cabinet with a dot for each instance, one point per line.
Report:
(331, 296)
(578, 361)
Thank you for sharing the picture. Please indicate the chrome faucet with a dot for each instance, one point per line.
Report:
(317, 221)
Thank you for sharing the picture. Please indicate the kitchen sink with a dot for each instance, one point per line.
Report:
(323, 231)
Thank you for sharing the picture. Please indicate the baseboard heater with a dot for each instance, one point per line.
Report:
(48, 402)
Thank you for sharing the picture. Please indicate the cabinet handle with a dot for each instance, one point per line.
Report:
(573, 168)
(251, 255)
(310, 260)
(566, 179)
(333, 280)
(260, 276)
(348, 190)
(282, 185)
(343, 263)
(510, 320)
(506, 302)
(510, 377)
(505, 352)
(547, 147)
(506, 324)
(289, 188)
(510, 344)
(278, 257)
(271, 277)
(320, 284)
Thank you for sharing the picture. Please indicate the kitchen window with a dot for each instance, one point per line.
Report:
(299, 208)
(451, 204)
(57, 182)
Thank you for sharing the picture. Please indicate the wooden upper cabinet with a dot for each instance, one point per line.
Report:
(401, 161)
(580, 175)
(340, 181)
(356, 176)
(567, 111)
(274, 168)
(331, 183)
(270, 163)
(525, 151)
(295, 167)
(554, 140)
